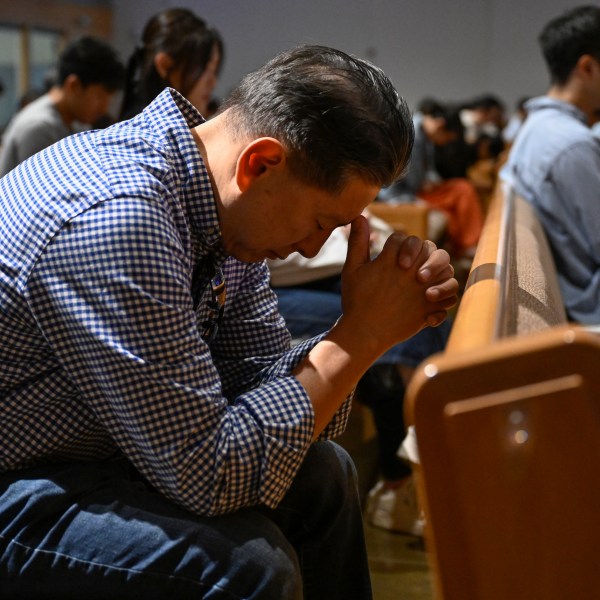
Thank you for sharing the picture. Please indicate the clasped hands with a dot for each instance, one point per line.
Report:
(408, 286)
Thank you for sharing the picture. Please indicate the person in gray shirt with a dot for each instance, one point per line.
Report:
(555, 160)
(88, 74)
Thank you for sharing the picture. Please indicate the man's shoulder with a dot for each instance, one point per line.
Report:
(549, 148)
(38, 117)
(551, 131)
(41, 109)
(561, 122)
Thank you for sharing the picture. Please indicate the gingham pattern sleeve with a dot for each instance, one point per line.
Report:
(260, 363)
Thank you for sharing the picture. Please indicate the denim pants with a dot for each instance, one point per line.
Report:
(98, 530)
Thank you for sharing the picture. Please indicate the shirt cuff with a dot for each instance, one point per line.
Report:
(284, 413)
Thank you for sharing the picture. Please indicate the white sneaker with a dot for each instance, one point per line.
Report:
(395, 508)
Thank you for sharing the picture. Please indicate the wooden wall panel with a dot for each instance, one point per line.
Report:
(68, 18)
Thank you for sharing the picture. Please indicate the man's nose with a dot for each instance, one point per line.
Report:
(310, 245)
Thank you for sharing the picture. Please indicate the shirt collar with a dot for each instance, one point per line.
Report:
(197, 197)
(546, 102)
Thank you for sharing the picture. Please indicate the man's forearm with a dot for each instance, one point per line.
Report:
(331, 370)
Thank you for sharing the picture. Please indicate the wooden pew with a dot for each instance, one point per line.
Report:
(410, 217)
(507, 422)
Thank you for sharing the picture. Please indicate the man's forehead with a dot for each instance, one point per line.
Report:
(345, 213)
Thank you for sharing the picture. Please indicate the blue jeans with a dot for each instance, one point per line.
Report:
(98, 530)
(311, 311)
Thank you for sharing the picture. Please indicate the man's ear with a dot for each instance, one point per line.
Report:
(72, 83)
(587, 64)
(163, 64)
(256, 159)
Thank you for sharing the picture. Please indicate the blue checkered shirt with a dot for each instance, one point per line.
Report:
(109, 242)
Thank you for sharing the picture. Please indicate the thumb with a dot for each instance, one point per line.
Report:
(358, 244)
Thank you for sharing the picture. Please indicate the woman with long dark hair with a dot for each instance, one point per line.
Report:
(177, 50)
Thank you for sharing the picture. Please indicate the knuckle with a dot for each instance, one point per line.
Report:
(398, 237)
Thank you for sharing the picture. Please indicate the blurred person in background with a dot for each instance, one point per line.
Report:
(554, 162)
(485, 114)
(437, 124)
(177, 50)
(89, 73)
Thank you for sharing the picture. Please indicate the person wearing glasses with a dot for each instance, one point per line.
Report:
(160, 435)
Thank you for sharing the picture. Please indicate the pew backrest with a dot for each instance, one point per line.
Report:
(507, 423)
